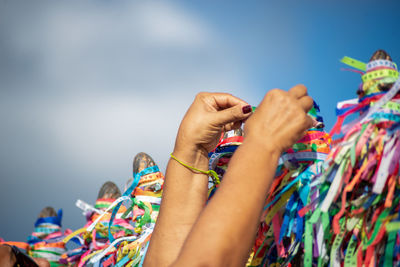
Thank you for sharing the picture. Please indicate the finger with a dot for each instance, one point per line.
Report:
(232, 126)
(306, 103)
(310, 122)
(298, 91)
(231, 115)
(224, 101)
(307, 125)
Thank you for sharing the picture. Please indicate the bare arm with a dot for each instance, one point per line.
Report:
(185, 192)
(231, 218)
(184, 196)
(225, 231)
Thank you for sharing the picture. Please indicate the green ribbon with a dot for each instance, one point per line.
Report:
(354, 63)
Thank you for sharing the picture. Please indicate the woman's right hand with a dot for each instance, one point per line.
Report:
(281, 119)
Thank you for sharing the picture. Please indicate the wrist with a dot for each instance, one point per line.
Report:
(262, 146)
(192, 155)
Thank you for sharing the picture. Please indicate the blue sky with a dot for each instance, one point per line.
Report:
(84, 86)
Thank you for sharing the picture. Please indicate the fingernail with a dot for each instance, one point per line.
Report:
(246, 109)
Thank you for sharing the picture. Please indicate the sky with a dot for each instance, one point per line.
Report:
(85, 85)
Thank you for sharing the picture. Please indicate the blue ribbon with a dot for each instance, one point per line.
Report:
(134, 184)
(53, 220)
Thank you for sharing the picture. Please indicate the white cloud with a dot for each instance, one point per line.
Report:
(94, 84)
(166, 25)
(91, 132)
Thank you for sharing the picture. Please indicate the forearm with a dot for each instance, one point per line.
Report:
(239, 200)
(184, 197)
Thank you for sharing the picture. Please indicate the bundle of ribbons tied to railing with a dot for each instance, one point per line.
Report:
(332, 202)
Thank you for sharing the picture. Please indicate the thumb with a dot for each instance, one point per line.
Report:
(232, 114)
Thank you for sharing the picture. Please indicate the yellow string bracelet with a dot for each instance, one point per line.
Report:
(211, 173)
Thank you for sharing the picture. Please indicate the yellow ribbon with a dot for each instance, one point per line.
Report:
(77, 232)
(209, 172)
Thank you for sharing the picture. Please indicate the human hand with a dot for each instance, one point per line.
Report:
(209, 115)
(281, 118)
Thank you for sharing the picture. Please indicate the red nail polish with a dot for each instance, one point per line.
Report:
(246, 109)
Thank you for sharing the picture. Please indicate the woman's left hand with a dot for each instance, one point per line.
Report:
(209, 115)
